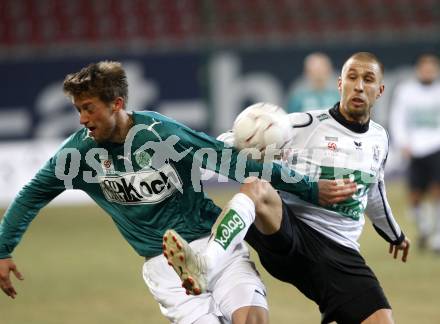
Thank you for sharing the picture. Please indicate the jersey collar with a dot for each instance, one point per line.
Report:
(353, 126)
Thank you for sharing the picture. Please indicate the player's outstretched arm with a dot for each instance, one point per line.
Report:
(334, 191)
(404, 247)
(7, 266)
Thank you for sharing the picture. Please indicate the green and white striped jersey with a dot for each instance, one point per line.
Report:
(148, 185)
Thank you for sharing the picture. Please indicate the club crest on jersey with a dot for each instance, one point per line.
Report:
(142, 187)
(332, 146)
(358, 145)
(107, 165)
(143, 159)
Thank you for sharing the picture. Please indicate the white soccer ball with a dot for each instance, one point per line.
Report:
(260, 126)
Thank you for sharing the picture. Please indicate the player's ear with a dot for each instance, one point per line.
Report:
(118, 104)
(381, 90)
(340, 84)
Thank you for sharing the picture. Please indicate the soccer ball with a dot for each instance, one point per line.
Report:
(262, 125)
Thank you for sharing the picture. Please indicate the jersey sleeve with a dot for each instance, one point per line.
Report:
(228, 160)
(44, 187)
(379, 211)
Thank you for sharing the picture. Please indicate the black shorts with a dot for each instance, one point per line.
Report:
(424, 172)
(335, 277)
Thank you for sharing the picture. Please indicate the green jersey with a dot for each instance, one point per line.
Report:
(305, 100)
(148, 184)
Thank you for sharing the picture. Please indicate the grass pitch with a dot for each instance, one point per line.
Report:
(78, 269)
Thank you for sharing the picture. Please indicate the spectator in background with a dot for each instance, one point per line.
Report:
(319, 91)
(415, 129)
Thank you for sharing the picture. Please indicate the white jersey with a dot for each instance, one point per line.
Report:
(415, 118)
(323, 148)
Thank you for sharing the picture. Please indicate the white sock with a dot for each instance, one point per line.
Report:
(436, 236)
(229, 229)
(422, 220)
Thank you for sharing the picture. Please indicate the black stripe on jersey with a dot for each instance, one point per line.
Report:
(388, 148)
(398, 239)
(304, 124)
(386, 238)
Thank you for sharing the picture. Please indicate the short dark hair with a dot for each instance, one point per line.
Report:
(367, 56)
(424, 57)
(106, 80)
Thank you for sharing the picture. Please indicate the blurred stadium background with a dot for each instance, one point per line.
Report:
(201, 62)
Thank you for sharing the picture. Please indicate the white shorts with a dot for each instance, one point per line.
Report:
(237, 285)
